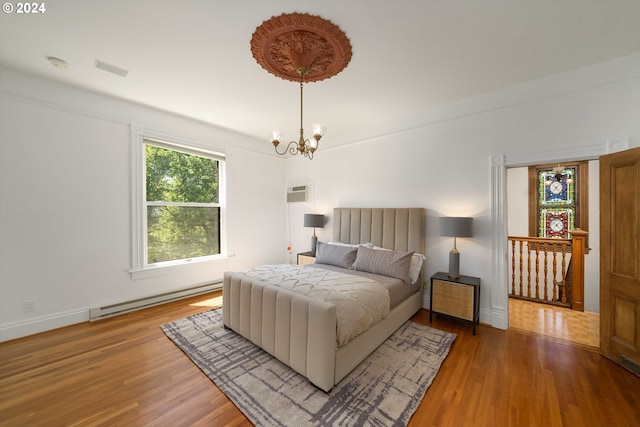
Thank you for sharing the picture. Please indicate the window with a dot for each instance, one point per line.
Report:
(558, 199)
(179, 206)
(183, 213)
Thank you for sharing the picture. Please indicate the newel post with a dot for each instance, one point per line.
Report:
(578, 250)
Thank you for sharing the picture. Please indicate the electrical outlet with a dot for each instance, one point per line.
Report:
(29, 306)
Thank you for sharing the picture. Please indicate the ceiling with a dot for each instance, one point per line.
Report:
(192, 57)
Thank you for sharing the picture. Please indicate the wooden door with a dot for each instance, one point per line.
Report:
(620, 258)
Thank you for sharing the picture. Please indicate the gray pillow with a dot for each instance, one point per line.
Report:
(388, 263)
(340, 256)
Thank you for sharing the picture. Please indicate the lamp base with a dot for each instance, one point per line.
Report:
(314, 244)
(454, 264)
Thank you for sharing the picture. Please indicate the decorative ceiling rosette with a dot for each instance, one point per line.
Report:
(285, 44)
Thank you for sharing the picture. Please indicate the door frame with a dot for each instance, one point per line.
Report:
(499, 309)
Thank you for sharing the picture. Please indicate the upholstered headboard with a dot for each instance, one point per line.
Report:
(400, 229)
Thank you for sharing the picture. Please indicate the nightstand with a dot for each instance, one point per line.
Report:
(305, 258)
(456, 297)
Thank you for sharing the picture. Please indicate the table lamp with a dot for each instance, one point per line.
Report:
(455, 227)
(313, 220)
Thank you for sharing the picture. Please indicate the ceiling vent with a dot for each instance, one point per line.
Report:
(111, 68)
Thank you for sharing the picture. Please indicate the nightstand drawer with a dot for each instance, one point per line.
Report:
(453, 299)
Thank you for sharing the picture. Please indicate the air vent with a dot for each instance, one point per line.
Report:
(111, 68)
(630, 365)
(298, 194)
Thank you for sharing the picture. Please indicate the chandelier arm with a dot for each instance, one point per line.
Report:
(291, 149)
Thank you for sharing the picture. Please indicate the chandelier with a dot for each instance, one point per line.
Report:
(301, 48)
(559, 174)
(303, 146)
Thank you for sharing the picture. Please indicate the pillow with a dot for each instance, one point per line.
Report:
(338, 255)
(416, 262)
(388, 263)
(416, 265)
(343, 244)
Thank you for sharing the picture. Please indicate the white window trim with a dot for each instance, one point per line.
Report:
(139, 269)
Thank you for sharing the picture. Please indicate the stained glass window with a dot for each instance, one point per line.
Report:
(556, 201)
(557, 189)
(556, 222)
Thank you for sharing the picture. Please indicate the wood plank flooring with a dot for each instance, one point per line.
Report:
(554, 322)
(125, 372)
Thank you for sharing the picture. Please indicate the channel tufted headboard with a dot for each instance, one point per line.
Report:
(400, 229)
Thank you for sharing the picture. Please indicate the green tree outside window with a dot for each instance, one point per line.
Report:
(182, 202)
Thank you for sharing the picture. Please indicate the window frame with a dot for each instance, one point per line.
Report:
(140, 268)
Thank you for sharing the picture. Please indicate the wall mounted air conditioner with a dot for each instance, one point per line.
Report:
(297, 194)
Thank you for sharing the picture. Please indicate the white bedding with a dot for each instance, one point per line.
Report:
(360, 302)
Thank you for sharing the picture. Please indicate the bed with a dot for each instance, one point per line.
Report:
(302, 331)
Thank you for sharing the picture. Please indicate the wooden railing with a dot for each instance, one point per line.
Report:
(550, 271)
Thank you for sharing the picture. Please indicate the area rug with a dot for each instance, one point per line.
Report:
(384, 390)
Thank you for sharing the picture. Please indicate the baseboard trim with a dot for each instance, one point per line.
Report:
(35, 325)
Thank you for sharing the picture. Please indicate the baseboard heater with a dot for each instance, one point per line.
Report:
(133, 305)
(630, 365)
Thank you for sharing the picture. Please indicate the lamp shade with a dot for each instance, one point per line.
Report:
(456, 226)
(313, 220)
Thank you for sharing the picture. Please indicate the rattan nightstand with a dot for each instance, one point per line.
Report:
(305, 258)
(457, 297)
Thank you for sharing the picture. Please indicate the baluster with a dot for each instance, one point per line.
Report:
(546, 270)
(513, 267)
(520, 265)
(537, 271)
(555, 272)
(564, 282)
(529, 269)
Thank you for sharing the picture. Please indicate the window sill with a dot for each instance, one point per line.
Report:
(173, 267)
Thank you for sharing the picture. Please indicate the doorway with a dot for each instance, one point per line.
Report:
(498, 315)
(554, 322)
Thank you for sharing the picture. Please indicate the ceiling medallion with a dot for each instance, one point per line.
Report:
(283, 44)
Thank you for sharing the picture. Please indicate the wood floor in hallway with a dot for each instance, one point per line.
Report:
(556, 323)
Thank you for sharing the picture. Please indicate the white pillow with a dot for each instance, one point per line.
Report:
(416, 262)
(416, 265)
(342, 244)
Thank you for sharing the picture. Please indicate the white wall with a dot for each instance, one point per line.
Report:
(518, 201)
(444, 165)
(65, 219)
(65, 212)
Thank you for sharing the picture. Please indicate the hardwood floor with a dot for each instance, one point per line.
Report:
(554, 322)
(124, 371)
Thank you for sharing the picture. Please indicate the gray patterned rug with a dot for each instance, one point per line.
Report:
(384, 390)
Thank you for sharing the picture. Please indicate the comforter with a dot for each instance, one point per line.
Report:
(360, 302)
